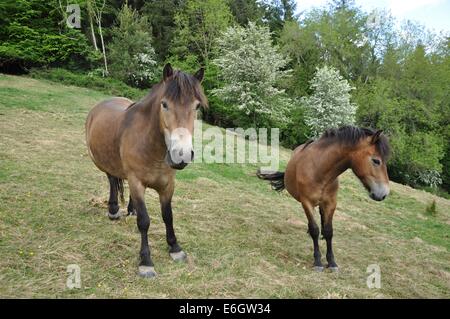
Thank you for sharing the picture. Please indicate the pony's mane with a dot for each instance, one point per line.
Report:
(181, 86)
(350, 135)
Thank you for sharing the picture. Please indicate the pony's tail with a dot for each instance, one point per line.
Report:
(117, 183)
(276, 179)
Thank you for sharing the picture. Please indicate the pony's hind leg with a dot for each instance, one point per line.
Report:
(130, 208)
(175, 251)
(113, 204)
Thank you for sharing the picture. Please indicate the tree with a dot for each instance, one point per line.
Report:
(408, 101)
(161, 14)
(34, 33)
(380, 37)
(300, 45)
(245, 11)
(276, 13)
(91, 17)
(251, 67)
(132, 58)
(329, 106)
(199, 23)
(335, 36)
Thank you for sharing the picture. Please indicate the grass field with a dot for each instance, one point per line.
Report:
(243, 240)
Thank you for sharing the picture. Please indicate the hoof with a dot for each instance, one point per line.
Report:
(334, 269)
(115, 216)
(318, 268)
(179, 256)
(147, 272)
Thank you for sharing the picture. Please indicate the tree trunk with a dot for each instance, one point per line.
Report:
(94, 39)
(103, 47)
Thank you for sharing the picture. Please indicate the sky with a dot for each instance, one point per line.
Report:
(433, 14)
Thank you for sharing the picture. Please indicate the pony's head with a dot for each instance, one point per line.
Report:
(368, 162)
(180, 100)
(367, 153)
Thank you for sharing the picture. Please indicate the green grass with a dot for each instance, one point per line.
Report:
(107, 85)
(243, 240)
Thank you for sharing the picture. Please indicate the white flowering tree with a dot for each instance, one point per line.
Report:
(145, 69)
(250, 67)
(329, 106)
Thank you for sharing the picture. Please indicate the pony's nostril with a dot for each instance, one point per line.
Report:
(383, 197)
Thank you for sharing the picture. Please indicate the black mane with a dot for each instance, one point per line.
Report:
(350, 135)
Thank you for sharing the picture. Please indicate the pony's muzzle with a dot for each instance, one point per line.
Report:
(179, 159)
(379, 191)
(179, 148)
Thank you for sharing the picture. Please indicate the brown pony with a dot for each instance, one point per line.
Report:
(144, 143)
(311, 176)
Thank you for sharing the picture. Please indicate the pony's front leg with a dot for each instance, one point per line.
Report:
(137, 191)
(165, 198)
(326, 213)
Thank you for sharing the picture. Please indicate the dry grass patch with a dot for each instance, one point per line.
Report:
(243, 240)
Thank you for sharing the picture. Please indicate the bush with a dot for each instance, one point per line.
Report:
(296, 131)
(92, 81)
(416, 158)
(431, 209)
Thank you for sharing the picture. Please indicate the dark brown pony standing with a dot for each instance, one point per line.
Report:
(144, 143)
(311, 176)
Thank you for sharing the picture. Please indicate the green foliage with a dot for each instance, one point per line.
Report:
(245, 11)
(416, 158)
(296, 131)
(161, 15)
(277, 13)
(107, 85)
(199, 23)
(32, 35)
(409, 102)
(132, 58)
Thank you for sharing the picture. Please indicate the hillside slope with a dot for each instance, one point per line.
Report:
(243, 240)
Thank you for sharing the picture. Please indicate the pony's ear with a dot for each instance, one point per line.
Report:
(167, 72)
(376, 136)
(200, 74)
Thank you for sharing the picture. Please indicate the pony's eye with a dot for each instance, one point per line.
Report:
(197, 107)
(376, 161)
(164, 106)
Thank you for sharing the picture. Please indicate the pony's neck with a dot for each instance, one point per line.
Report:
(334, 161)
